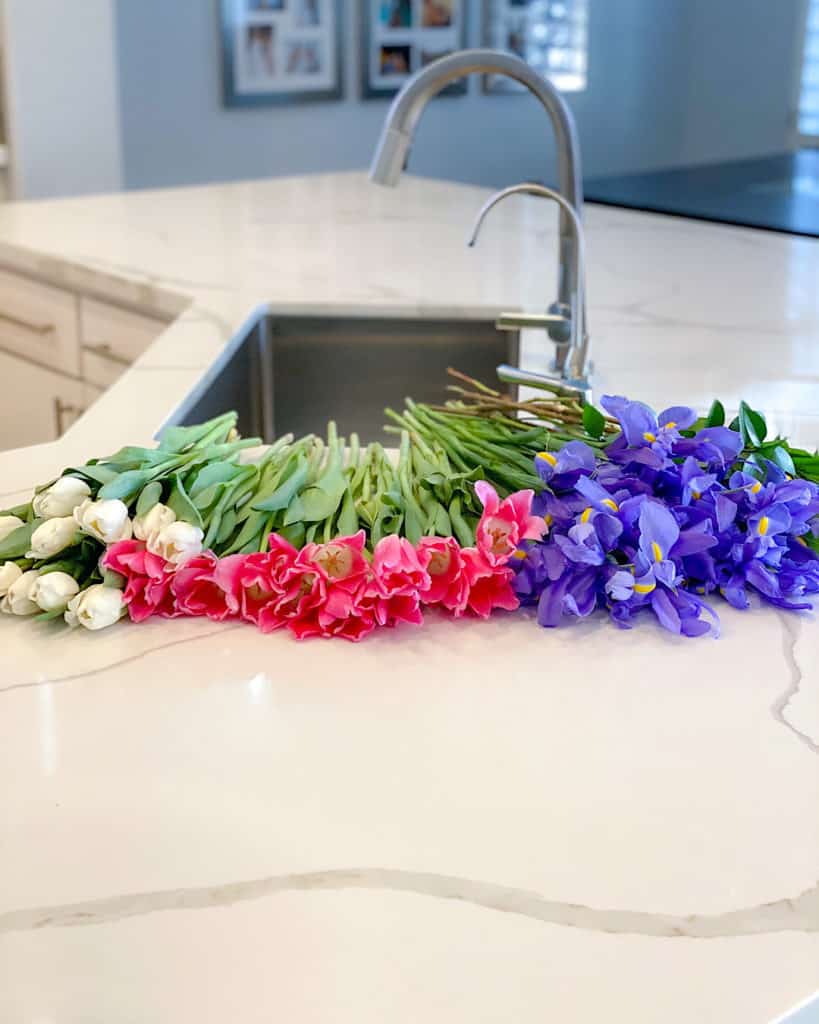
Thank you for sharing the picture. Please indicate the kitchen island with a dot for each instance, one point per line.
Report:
(466, 822)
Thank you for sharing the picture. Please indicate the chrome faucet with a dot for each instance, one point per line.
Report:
(573, 371)
(392, 153)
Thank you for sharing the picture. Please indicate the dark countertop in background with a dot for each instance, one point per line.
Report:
(777, 193)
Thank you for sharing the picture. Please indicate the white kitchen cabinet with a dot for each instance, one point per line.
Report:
(36, 404)
(39, 322)
(111, 339)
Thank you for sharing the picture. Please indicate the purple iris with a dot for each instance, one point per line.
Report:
(659, 533)
(566, 465)
(641, 427)
(658, 525)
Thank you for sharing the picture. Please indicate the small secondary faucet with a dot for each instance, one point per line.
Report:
(574, 372)
(393, 148)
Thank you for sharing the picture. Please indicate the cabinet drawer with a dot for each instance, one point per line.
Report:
(39, 322)
(112, 339)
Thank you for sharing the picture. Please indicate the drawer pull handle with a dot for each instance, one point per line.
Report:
(61, 409)
(106, 352)
(27, 325)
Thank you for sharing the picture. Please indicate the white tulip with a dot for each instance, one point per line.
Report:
(18, 599)
(104, 520)
(95, 608)
(51, 537)
(148, 526)
(177, 543)
(61, 498)
(53, 590)
(9, 573)
(8, 524)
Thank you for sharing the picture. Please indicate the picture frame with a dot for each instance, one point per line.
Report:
(550, 35)
(281, 51)
(399, 37)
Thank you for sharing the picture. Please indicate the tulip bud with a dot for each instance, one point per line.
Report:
(18, 600)
(61, 498)
(53, 590)
(9, 573)
(51, 537)
(148, 526)
(177, 543)
(106, 521)
(8, 524)
(96, 607)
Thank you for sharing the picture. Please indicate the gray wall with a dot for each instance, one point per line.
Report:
(670, 82)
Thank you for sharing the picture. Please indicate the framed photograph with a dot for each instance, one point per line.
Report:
(278, 51)
(550, 35)
(399, 37)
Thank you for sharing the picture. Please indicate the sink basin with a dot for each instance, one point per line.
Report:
(294, 373)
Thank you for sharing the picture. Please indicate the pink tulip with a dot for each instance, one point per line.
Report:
(504, 524)
(448, 586)
(205, 585)
(490, 585)
(148, 580)
(400, 568)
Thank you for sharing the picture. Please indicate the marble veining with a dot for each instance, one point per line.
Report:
(799, 913)
(129, 660)
(791, 631)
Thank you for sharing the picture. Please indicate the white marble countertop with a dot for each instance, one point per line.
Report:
(471, 822)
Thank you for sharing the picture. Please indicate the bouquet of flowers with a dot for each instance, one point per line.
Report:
(490, 504)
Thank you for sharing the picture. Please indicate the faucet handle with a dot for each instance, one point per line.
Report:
(577, 389)
(520, 321)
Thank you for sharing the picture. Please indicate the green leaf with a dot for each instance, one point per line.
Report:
(465, 536)
(57, 613)
(249, 532)
(126, 485)
(182, 504)
(294, 533)
(320, 501)
(205, 499)
(347, 517)
(782, 459)
(17, 543)
(594, 422)
(752, 425)
(148, 497)
(287, 489)
(99, 474)
(177, 439)
(716, 414)
(214, 473)
(226, 527)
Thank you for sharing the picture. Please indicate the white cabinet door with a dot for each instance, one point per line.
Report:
(112, 338)
(39, 322)
(36, 404)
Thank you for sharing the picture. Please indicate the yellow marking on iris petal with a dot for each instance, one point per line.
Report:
(764, 523)
(801, 540)
(670, 425)
(756, 487)
(585, 515)
(657, 551)
(696, 495)
(548, 519)
(644, 588)
(648, 436)
(520, 555)
(547, 457)
(610, 503)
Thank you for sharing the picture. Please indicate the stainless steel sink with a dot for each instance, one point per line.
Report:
(294, 373)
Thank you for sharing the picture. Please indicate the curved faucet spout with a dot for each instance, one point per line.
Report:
(396, 138)
(579, 337)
